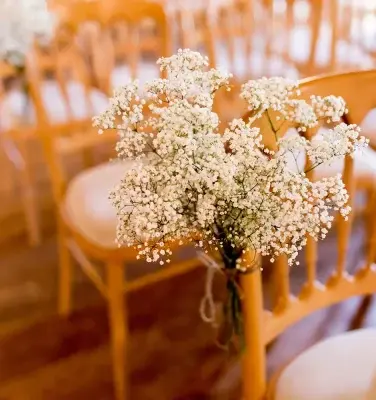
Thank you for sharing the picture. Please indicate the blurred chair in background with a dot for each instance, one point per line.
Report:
(15, 136)
(86, 219)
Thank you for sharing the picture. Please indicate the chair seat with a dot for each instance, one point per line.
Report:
(339, 368)
(87, 204)
(16, 104)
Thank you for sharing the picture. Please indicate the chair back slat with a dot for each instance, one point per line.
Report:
(311, 247)
(371, 251)
(286, 21)
(344, 226)
(282, 283)
(311, 257)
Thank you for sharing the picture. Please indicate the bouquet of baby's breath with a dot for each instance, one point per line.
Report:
(21, 23)
(225, 192)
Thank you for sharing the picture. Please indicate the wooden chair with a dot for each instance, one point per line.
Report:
(325, 34)
(147, 36)
(16, 135)
(294, 35)
(86, 219)
(82, 22)
(130, 48)
(244, 35)
(299, 26)
(359, 18)
(301, 379)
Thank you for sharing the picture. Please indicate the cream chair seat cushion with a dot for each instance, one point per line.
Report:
(339, 368)
(87, 203)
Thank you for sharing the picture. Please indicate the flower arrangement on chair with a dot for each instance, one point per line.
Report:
(225, 192)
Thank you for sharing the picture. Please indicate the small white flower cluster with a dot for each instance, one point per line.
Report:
(343, 139)
(301, 113)
(330, 107)
(22, 22)
(268, 93)
(226, 192)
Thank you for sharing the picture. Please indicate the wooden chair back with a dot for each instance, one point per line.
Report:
(195, 28)
(119, 34)
(140, 32)
(304, 20)
(262, 326)
(82, 24)
(67, 64)
(230, 25)
(65, 102)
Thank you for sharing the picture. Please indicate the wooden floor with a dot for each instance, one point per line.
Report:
(172, 352)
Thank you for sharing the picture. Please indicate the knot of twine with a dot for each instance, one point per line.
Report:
(207, 304)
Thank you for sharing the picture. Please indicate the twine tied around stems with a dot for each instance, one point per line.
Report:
(207, 304)
(230, 324)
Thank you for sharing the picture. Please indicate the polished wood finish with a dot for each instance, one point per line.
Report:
(340, 285)
(254, 359)
(118, 326)
(171, 351)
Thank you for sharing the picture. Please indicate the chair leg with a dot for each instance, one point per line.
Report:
(361, 312)
(88, 158)
(118, 329)
(368, 220)
(30, 207)
(65, 271)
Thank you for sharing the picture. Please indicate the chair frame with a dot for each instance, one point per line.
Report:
(72, 244)
(261, 326)
(15, 146)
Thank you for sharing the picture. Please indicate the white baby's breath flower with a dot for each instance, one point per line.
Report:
(228, 190)
(330, 107)
(300, 113)
(267, 93)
